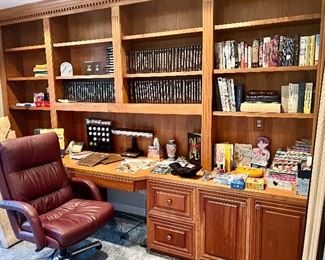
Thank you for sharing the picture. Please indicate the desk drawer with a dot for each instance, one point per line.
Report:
(170, 199)
(171, 237)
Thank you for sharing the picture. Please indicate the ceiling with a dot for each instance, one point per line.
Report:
(12, 3)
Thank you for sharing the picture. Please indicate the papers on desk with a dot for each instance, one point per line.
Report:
(134, 165)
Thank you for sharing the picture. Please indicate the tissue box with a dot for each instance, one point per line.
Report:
(155, 152)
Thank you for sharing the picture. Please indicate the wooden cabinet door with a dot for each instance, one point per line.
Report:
(278, 231)
(223, 224)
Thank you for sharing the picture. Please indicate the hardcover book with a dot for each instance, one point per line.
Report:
(308, 97)
(243, 155)
(293, 98)
(285, 98)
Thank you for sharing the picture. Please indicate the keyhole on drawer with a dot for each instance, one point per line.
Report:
(169, 237)
(169, 202)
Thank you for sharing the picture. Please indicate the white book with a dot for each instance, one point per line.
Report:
(249, 60)
(285, 98)
(302, 51)
(308, 47)
(293, 98)
(232, 96)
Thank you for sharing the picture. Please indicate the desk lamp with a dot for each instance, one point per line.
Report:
(134, 151)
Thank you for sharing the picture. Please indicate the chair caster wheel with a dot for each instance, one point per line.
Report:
(99, 247)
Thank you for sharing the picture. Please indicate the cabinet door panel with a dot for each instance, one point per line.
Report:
(223, 231)
(278, 232)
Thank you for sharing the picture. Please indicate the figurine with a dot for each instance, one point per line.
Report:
(261, 154)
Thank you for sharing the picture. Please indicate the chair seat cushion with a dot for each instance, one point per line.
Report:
(74, 220)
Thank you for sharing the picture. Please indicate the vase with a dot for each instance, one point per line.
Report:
(171, 149)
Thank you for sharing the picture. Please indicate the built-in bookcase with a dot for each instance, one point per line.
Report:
(23, 48)
(80, 36)
(249, 20)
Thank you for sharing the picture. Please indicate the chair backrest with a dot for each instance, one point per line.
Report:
(32, 171)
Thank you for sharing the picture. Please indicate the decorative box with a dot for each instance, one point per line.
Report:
(255, 183)
(155, 152)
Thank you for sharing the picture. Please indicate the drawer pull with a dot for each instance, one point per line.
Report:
(169, 237)
(243, 204)
(258, 206)
(169, 202)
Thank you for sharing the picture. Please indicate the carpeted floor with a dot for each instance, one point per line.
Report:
(114, 248)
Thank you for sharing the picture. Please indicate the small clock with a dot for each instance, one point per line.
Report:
(66, 69)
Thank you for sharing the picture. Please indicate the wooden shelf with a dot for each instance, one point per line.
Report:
(264, 23)
(266, 70)
(163, 34)
(81, 43)
(168, 109)
(25, 48)
(30, 108)
(105, 76)
(165, 109)
(264, 115)
(164, 74)
(27, 78)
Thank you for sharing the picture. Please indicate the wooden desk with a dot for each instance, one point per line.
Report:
(105, 176)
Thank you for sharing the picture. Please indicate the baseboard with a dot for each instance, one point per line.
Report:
(129, 209)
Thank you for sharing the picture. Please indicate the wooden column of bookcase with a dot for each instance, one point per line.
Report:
(3, 77)
(50, 70)
(207, 83)
(119, 57)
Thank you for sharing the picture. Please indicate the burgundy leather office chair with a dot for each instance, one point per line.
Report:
(40, 199)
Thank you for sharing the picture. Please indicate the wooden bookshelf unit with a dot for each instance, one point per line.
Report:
(76, 31)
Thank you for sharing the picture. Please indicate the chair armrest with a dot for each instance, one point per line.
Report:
(32, 217)
(81, 184)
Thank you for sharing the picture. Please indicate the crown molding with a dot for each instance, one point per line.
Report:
(51, 8)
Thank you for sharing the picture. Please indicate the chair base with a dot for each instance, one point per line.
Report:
(65, 255)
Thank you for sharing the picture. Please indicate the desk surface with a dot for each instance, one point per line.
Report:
(106, 176)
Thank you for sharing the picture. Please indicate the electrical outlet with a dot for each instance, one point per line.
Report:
(259, 124)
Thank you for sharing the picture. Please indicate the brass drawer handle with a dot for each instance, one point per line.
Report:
(258, 206)
(169, 202)
(169, 237)
(243, 204)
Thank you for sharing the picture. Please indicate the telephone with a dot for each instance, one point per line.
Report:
(74, 147)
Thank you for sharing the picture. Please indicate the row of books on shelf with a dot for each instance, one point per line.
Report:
(184, 58)
(268, 52)
(90, 91)
(187, 90)
(40, 70)
(294, 98)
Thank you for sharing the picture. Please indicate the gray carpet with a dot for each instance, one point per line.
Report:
(114, 247)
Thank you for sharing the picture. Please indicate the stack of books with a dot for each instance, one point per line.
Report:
(40, 70)
(268, 52)
(175, 90)
(185, 58)
(261, 101)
